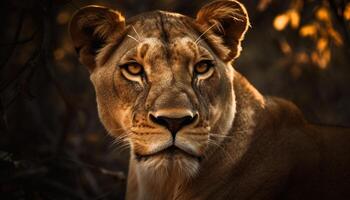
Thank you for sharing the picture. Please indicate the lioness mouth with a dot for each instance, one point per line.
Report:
(170, 152)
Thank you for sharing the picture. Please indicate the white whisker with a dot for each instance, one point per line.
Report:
(197, 40)
(138, 36)
(120, 142)
(133, 38)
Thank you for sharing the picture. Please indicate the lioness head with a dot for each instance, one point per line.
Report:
(163, 81)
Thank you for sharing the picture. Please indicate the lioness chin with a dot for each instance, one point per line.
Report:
(196, 128)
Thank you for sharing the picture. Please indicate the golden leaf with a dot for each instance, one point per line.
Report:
(302, 57)
(338, 40)
(321, 59)
(294, 18)
(63, 18)
(314, 57)
(280, 22)
(263, 4)
(347, 12)
(308, 30)
(322, 44)
(59, 54)
(325, 58)
(322, 14)
(285, 47)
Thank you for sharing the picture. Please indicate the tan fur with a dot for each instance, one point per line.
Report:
(239, 144)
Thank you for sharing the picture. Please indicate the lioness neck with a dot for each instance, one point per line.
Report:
(248, 102)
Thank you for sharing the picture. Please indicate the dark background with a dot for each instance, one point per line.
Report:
(52, 145)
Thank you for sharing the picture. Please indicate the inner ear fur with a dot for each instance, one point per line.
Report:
(225, 22)
(91, 28)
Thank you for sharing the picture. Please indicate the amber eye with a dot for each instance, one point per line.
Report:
(203, 67)
(134, 68)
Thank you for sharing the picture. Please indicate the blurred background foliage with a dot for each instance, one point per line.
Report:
(52, 145)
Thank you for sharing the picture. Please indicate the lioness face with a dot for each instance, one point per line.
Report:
(163, 81)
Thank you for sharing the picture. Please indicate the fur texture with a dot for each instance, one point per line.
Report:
(235, 144)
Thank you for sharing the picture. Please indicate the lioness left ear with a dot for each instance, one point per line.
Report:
(90, 28)
(226, 22)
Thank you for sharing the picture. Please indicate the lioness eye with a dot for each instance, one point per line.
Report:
(203, 67)
(134, 68)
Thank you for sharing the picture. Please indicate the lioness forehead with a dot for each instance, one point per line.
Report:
(163, 25)
(152, 48)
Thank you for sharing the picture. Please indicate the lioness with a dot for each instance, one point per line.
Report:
(196, 128)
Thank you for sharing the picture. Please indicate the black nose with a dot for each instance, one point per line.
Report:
(173, 124)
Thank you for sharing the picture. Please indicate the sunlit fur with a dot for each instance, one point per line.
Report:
(240, 145)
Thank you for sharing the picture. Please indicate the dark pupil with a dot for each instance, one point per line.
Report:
(134, 69)
(202, 67)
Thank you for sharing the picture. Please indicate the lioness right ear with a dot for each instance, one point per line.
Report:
(224, 22)
(90, 28)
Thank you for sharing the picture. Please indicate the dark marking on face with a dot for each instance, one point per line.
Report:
(165, 36)
(143, 50)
